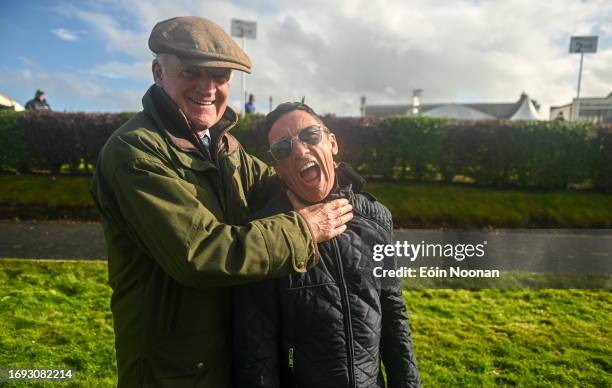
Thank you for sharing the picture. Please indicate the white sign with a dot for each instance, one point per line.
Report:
(244, 29)
(583, 44)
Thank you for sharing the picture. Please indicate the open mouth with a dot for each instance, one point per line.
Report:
(310, 172)
(201, 102)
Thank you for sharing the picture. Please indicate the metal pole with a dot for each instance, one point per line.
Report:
(577, 110)
(243, 94)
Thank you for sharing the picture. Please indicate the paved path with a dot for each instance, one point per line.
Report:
(530, 250)
(533, 250)
(52, 240)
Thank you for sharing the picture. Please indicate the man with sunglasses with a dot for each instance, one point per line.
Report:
(332, 325)
(174, 190)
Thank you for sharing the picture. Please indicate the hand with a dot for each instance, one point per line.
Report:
(326, 220)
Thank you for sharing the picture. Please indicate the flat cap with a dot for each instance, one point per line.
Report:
(198, 41)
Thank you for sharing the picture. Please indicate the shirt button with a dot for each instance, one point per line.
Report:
(200, 365)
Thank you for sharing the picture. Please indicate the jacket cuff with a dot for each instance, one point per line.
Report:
(309, 240)
(288, 238)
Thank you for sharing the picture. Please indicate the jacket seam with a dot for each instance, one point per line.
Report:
(271, 262)
(312, 286)
(192, 229)
(375, 220)
(132, 161)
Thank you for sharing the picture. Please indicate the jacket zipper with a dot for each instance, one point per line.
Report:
(347, 315)
(290, 361)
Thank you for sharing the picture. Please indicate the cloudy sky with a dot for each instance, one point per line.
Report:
(93, 55)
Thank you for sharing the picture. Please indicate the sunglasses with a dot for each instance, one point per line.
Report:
(311, 135)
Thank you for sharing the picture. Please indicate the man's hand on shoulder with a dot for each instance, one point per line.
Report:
(326, 220)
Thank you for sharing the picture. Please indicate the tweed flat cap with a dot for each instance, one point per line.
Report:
(198, 41)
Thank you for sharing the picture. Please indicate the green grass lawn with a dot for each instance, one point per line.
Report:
(45, 189)
(56, 314)
(422, 205)
(472, 206)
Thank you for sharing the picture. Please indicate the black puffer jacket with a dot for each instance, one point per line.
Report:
(331, 326)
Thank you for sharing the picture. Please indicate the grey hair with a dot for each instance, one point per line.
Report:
(167, 61)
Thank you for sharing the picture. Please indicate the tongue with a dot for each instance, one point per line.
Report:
(310, 174)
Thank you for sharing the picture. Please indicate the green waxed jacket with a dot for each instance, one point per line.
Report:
(176, 229)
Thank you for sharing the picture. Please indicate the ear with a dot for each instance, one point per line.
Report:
(278, 173)
(334, 144)
(157, 73)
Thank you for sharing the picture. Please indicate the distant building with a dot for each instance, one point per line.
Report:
(593, 109)
(523, 109)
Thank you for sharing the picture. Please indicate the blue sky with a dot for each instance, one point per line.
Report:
(46, 43)
(93, 56)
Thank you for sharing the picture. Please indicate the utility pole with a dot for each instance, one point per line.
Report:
(246, 30)
(581, 44)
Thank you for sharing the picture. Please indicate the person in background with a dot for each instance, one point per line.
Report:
(38, 102)
(249, 107)
(332, 325)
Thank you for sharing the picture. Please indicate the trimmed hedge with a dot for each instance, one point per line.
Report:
(13, 151)
(524, 154)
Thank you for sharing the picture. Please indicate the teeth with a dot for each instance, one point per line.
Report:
(307, 166)
(201, 102)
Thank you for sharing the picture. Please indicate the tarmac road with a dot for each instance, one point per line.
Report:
(531, 250)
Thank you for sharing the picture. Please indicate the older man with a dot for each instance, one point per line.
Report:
(174, 189)
(333, 325)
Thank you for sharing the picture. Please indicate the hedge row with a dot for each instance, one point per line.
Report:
(45, 141)
(528, 154)
(525, 154)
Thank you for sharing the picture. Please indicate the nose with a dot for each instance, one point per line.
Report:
(206, 84)
(299, 148)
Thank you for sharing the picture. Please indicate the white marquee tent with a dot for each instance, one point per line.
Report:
(526, 110)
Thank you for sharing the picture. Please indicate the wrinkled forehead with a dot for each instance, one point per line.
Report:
(290, 125)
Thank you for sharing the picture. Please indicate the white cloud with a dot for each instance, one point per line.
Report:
(27, 61)
(72, 91)
(115, 37)
(67, 35)
(117, 70)
(335, 52)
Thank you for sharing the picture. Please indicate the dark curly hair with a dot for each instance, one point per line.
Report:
(282, 110)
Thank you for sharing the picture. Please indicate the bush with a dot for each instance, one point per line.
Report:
(44, 141)
(13, 151)
(602, 148)
(551, 154)
(355, 140)
(524, 154)
(249, 132)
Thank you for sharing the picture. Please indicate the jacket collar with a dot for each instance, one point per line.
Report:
(177, 128)
(347, 182)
